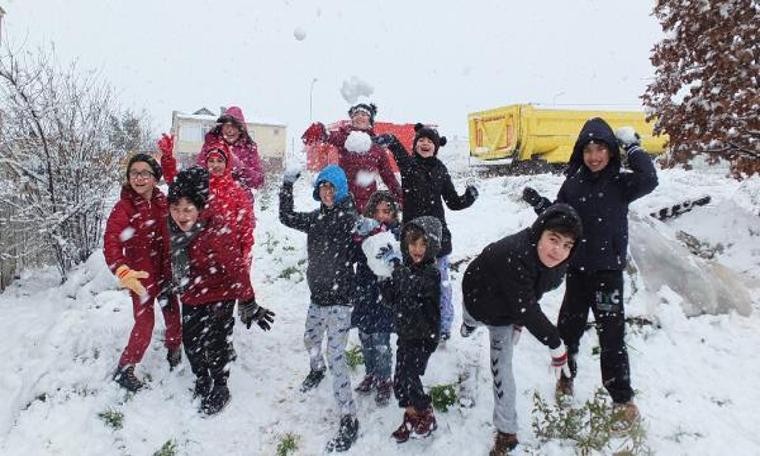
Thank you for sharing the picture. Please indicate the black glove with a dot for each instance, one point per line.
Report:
(250, 311)
(472, 191)
(385, 140)
(531, 196)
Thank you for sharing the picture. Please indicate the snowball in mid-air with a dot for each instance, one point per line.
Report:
(358, 142)
(299, 33)
(354, 88)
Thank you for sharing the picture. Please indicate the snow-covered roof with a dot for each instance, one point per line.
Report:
(248, 120)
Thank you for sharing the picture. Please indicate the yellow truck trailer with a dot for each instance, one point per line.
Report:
(522, 132)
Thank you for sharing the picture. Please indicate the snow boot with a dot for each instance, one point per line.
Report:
(202, 387)
(405, 430)
(347, 433)
(564, 389)
(125, 377)
(312, 380)
(366, 385)
(426, 424)
(384, 392)
(216, 400)
(174, 357)
(624, 416)
(503, 444)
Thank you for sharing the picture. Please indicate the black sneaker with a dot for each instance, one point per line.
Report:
(347, 433)
(125, 377)
(202, 387)
(312, 380)
(216, 400)
(174, 357)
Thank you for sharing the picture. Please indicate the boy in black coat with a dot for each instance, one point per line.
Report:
(501, 289)
(426, 182)
(600, 192)
(413, 292)
(330, 273)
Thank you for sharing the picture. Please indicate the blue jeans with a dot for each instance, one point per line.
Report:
(376, 349)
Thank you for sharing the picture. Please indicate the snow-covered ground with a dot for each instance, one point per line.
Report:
(696, 378)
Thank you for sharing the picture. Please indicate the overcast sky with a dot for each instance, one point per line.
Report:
(426, 61)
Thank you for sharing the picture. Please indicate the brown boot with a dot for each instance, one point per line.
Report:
(503, 444)
(405, 430)
(625, 415)
(564, 388)
(426, 423)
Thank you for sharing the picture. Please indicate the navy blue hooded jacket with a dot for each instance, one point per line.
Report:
(602, 198)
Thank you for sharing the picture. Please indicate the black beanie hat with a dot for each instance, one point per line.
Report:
(422, 131)
(191, 183)
(370, 109)
(154, 166)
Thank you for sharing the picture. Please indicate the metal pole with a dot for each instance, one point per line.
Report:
(311, 97)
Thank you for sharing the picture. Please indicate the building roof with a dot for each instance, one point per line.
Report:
(212, 118)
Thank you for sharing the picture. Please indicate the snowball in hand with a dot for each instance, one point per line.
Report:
(299, 34)
(358, 142)
(371, 248)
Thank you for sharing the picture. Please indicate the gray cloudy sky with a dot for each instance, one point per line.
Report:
(426, 61)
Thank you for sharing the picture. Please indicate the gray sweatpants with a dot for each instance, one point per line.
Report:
(336, 321)
(504, 388)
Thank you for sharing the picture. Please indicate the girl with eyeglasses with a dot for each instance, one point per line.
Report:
(134, 247)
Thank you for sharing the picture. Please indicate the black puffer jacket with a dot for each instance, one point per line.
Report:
(425, 182)
(602, 198)
(414, 290)
(502, 285)
(331, 249)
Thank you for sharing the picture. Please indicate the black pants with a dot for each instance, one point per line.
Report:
(602, 292)
(205, 332)
(411, 361)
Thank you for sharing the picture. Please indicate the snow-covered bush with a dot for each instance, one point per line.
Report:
(63, 142)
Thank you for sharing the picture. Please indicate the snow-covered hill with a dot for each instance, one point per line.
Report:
(697, 378)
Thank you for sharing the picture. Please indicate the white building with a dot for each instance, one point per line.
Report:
(189, 131)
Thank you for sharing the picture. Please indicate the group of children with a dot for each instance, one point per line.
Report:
(367, 270)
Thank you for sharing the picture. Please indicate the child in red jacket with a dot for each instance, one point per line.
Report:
(209, 274)
(134, 245)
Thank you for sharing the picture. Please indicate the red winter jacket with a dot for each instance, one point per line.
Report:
(217, 270)
(137, 236)
(247, 167)
(374, 160)
(228, 196)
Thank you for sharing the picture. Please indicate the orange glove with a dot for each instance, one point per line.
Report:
(129, 278)
(166, 144)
